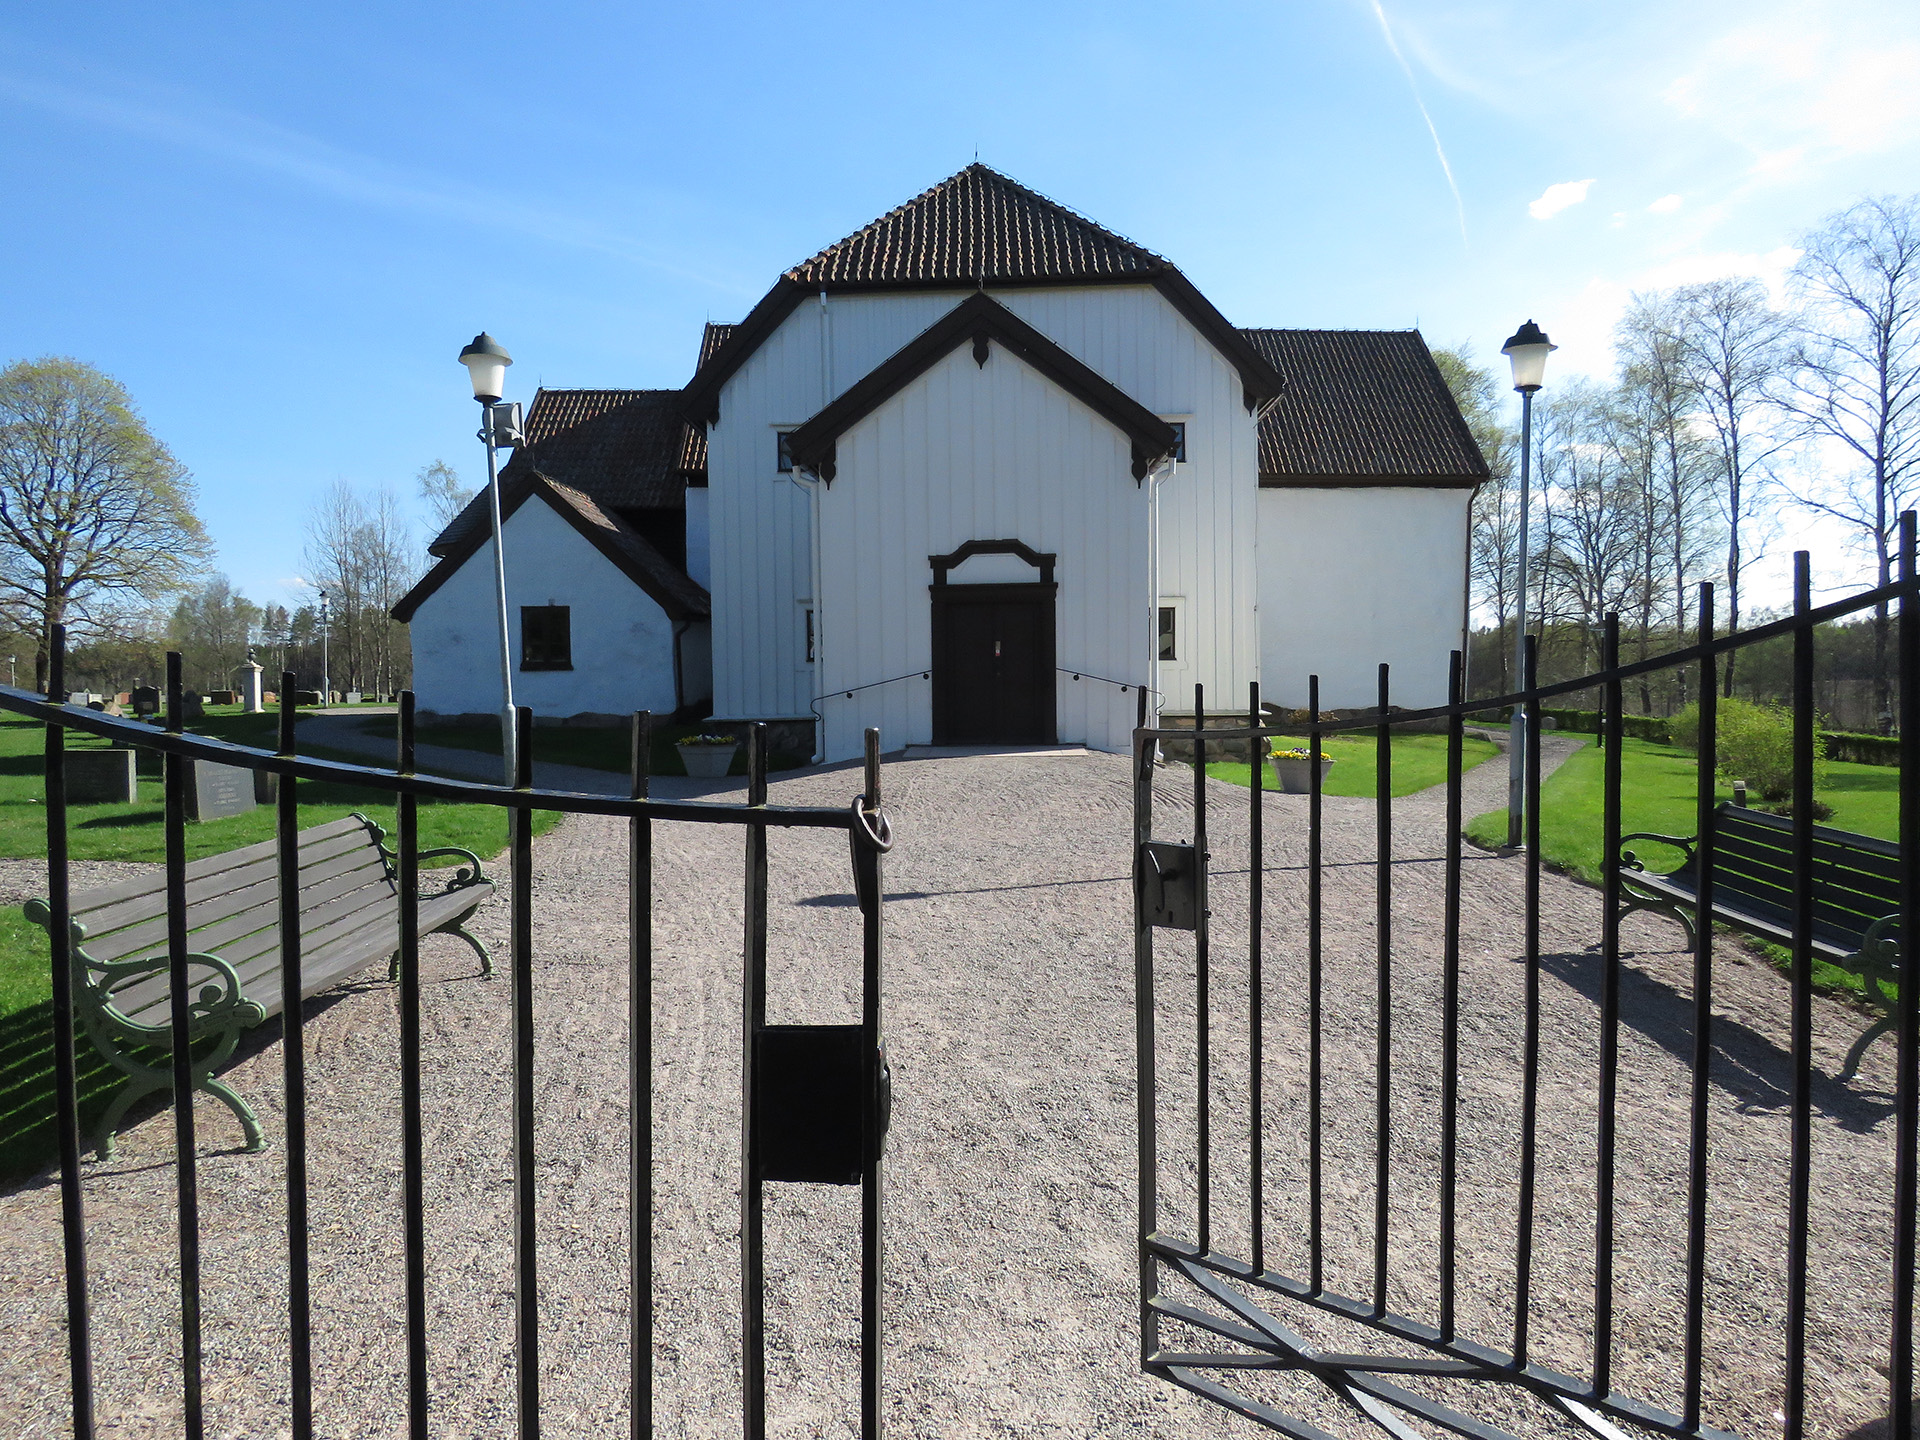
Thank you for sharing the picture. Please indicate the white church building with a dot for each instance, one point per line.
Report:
(973, 475)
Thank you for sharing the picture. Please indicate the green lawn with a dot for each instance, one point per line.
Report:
(134, 832)
(1419, 761)
(595, 749)
(1657, 793)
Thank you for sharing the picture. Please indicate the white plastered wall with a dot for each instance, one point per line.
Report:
(622, 639)
(1350, 578)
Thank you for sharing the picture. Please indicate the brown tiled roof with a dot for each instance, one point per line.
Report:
(680, 596)
(622, 447)
(1361, 407)
(978, 227)
(693, 438)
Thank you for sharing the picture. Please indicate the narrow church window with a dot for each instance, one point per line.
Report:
(809, 637)
(783, 455)
(546, 637)
(1169, 649)
(1179, 440)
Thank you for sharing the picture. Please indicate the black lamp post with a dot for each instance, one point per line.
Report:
(1527, 350)
(487, 361)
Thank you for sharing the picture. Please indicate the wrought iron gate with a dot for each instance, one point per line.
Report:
(1323, 1243)
(815, 1102)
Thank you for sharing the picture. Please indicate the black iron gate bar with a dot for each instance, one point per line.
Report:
(1357, 1379)
(868, 835)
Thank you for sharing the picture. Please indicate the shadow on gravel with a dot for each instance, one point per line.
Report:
(1755, 1071)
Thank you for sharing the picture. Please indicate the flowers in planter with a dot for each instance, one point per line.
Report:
(708, 740)
(1300, 753)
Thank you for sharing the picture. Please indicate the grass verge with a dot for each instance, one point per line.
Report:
(1418, 761)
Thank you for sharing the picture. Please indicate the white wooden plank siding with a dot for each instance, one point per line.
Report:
(1354, 577)
(760, 526)
(968, 452)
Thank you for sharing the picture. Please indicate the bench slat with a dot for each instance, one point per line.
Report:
(207, 865)
(208, 889)
(1838, 868)
(214, 922)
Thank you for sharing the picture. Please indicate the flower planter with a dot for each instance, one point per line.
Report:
(1296, 775)
(707, 762)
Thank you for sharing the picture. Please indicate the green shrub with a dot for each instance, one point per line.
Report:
(1755, 744)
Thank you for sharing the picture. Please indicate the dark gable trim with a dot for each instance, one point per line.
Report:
(516, 494)
(1043, 562)
(1269, 480)
(980, 319)
(1260, 383)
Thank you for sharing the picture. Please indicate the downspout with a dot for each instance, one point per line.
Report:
(1155, 477)
(810, 486)
(680, 628)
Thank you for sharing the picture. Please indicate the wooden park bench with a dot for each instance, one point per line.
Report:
(1856, 894)
(349, 918)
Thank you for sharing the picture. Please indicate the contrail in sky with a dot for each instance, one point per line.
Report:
(1438, 149)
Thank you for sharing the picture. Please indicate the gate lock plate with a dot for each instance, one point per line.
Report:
(1170, 885)
(822, 1103)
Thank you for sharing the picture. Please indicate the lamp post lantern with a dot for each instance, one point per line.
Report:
(1527, 350)
(487, 361)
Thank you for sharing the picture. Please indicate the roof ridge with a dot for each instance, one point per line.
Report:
(985, 175)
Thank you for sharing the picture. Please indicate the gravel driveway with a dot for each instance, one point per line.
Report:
(1011, 1170)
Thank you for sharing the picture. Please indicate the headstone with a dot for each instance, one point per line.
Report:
(223, 697)
(353, 697)
(192, 707)
(125, 697)
(306, 697)
(78, 697)
(145, 700)
(251, 702)
(266, 787)
(216, 791)
(100, 777)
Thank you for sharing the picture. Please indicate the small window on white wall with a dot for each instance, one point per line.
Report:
(1179, 441)
(1169, 632)
(783, 456)
(810, 636)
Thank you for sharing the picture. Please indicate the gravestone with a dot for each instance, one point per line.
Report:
(216, 791)
(192, 707)
(250, 697)
(353, 697)
(306, 697)
(145, 700)
(223, 697)
(266, 787)
(125, 697)
(101, 777)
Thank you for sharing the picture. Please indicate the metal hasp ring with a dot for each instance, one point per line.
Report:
(872, 826)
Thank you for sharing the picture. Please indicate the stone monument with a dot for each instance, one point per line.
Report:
(250, 692)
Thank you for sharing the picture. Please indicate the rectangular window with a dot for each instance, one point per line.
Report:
(1179, 440)
(809, 637)
(783, 457)
(546, 637)
(1169, 644)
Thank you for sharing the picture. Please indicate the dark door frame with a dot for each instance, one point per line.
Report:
(945, 595)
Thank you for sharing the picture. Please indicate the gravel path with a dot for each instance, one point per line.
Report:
(1011, 1270)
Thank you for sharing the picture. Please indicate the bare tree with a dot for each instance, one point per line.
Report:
(359, 553)
(211, 629)
(441, 488)
(95, 513)
(1855, 379)
(1732, 347)
(1493, 534)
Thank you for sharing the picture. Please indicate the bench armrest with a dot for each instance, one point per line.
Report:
(1683, 843)
(469, 874)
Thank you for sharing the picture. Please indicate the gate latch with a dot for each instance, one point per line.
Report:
(1170, 885)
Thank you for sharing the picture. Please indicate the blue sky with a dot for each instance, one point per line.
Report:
(277, 224)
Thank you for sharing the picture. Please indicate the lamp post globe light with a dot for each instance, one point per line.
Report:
(1527, 351)
(487, 361)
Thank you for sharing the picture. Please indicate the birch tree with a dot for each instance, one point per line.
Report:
(1855, 380)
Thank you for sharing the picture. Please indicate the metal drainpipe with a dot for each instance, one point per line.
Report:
(1155, 478)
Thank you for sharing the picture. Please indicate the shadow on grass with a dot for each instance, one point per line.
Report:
(1747, 1065)
(122, 822)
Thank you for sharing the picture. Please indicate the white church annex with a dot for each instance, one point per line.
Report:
(971, 475)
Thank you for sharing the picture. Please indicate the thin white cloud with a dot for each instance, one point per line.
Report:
(1556, 198)
(244, 140)
(1667, 204)
(1386, 30)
